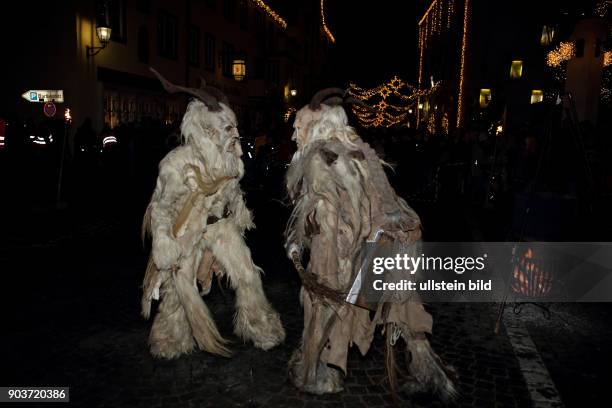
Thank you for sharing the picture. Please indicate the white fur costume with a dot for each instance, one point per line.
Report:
(197, 217)
(342, 197)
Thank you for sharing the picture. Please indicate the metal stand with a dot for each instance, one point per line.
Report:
(571, 116)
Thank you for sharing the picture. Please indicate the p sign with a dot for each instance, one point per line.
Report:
(49, 109)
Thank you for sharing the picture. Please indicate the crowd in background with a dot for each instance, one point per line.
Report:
(483, 165)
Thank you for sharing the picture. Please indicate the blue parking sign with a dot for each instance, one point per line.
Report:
(33, 96)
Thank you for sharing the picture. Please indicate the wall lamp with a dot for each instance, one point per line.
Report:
(104, 34)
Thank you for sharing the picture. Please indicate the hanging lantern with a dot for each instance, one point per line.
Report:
(238, 69)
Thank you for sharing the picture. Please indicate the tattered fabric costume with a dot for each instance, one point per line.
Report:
(197, 217)
(342, 198)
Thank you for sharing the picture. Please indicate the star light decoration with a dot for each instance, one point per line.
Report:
(393, 102)
(271, 13)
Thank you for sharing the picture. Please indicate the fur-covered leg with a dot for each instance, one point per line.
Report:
(202, 325)
(255, 318)
(170, 335)
(328, 380)
(306, 370)
(429, 372)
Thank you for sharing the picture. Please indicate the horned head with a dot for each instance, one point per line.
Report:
(209, 95)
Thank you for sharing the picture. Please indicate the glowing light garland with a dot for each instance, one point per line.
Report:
(462, 72)
(607, 60)
(324, 27)
(601, 9)
(387, 114)
(271, 13)
(432, 23)
(564, 52)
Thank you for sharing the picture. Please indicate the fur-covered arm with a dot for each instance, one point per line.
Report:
(166, 249)
(242, 215)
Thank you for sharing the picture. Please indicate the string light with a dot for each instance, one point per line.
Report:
(445, 123)
(564, 52)
(271, 13)
(601, 9)
(466, 11)
(387, 114)
(324, 27)
(607, 60)
(431, 123)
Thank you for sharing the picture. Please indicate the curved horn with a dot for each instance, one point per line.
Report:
(209, 100)
(319, 97)
(334, 101)
(217, 93)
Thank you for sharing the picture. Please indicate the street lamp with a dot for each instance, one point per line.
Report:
(104, 34)
(293, 92)
(239, 69)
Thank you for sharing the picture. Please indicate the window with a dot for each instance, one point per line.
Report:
(193, 46)
(116, 17)
(143, 45)
(598, 48)
(167, 35)
(209, 52)
(271, 34)
(227, 55)
(537, 96)
(259, 70)
(548, 34)
(485, 97)
(516, 69)
(244, 15)
(272, 72)
(229, 10)
(260, 25)
(580, 48)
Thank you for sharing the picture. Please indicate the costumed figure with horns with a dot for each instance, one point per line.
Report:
(197, 217)
(342, 198)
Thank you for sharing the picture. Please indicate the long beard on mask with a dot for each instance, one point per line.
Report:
(221, 159)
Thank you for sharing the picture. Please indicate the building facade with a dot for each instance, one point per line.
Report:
(492, 58)
(185, 41)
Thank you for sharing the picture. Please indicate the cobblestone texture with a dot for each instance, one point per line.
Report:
(71, 318)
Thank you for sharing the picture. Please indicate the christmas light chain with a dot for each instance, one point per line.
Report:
(271, 13)
(324, 27)
(385, 113)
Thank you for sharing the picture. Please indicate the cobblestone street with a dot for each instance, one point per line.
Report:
(77, 324)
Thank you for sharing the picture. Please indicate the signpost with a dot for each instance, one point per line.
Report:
(49, 97)
(44, 95)
(49, 109)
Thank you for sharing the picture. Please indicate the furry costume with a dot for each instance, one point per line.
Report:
(342, 198)
(197, 218)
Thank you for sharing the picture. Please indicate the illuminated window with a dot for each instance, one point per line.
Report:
(516, 69)
(548, 33)
(537, 96)
(485, 97)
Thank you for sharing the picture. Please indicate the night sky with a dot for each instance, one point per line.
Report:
(375, 40)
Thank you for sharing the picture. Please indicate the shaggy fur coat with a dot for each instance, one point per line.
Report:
(197, 217)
